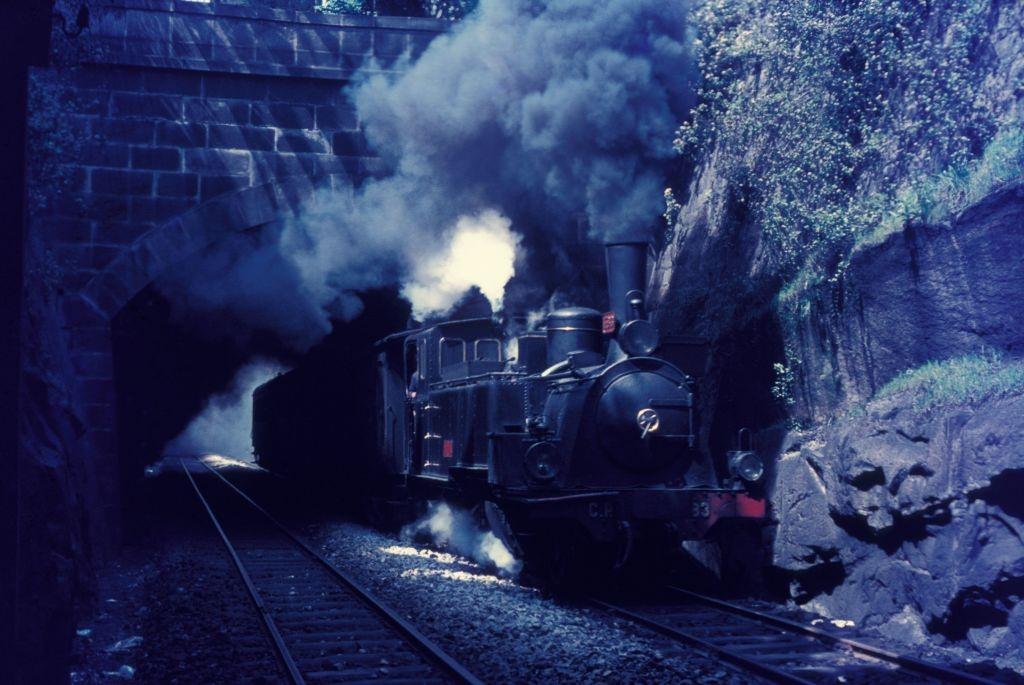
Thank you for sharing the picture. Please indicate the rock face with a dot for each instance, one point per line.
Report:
(926, 293)
(911, 523)
(902, 518)
(905, 519)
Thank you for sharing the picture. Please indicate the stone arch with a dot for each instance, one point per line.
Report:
(89, 315)
(112, 288)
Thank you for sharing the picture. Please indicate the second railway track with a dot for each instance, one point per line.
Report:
(777, 649)
(325, 627)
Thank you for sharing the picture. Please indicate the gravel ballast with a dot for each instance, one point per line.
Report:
(504, 631)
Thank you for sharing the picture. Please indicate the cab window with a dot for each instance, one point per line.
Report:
(453, 351)
(488, 350)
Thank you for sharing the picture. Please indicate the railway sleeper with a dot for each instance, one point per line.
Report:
(376, 673)
(349, 659)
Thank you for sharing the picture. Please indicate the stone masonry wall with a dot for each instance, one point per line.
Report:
(163, 126)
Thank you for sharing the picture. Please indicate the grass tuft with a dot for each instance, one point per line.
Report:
(963, 380)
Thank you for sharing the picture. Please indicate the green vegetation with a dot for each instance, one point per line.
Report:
(818, 110)
(440, 9)
(963, 380)
(935, 199)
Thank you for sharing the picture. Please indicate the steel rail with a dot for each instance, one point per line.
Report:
(294, 675)
(861, 649)
(910, 663)
(748, 663)
(418, 639)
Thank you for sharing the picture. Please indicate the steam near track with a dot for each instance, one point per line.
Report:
(453, 528)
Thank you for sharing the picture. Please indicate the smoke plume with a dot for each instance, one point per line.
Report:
(525, 117)
(454, 529)
(225, 423)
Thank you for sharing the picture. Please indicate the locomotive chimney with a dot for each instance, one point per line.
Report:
(627, 279)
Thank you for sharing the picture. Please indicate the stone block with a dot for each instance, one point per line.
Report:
(177, 185)
(305, 91)
(302, 141)
(342, 167)
(172, 82)
(103, 255)
(198, 30)
(267, 166)
(101, 207)
(319, 58)
(106, 155)
(118, 232)
(148, 26)
(109, 22)
(123, 131)
(119, 182)
(349, 144)
(212, 186)
(79, 312)
(180, 135)
(418, 42)
(282, 115)
(217, 111)
(200, 53)
(235, 86)
(318, 39)
(240, 137)
(157, 209)
(108, 78)
(276, 56)
(156, 158)
(217, 161)
(357, 41)
(337, 117)
(147, 106)
(389, 43)
(240, 57)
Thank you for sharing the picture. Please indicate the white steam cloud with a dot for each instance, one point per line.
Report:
(482, 252)
(526, 115)
(224, 426)
(454, 529)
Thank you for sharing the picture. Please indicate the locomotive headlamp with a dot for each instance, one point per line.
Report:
(746, 465)
(542, 461)
(638, 338)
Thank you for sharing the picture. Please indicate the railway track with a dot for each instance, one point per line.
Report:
(777, 649)
(325, 627)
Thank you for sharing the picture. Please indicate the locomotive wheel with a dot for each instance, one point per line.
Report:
(567, 561)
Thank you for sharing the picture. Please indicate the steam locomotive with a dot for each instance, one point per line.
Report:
(579, 444)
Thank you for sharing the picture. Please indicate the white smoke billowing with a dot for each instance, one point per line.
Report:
(455, 529)
(524, 116)
(482, 252)
(224, 425)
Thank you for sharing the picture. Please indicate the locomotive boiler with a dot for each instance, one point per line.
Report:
(579, 444)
